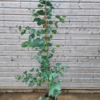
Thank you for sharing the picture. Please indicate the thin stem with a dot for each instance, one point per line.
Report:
(51, 34)
(48, 90)
(45, 15)
(45, 33)
(46, 27)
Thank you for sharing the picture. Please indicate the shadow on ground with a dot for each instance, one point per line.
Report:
(35, 96)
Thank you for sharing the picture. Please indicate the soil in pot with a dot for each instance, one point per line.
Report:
(53, 98)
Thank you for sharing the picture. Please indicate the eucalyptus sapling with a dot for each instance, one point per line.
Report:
(40, 40)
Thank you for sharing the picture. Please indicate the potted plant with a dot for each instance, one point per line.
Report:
(40, 40)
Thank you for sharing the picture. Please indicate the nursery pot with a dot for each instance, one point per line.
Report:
(46, 95)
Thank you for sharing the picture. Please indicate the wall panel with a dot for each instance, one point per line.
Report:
(79, 38)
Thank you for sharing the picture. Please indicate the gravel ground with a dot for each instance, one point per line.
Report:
(35, 96)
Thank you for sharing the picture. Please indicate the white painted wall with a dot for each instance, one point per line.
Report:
(79, 38)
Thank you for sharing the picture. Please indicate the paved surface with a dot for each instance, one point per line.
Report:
(35, 96)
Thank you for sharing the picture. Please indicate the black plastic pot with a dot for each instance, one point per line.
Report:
(46, 95)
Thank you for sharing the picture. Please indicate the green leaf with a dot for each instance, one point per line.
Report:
(25, 44)
(32, 70)
(29, 8)
(48, 29)
(47, 98)
(28, 76)
(55, 86)
(17, 26)
(62, 75)
(54, 89)
(53, 7)
(35, 14)
(49, 44)
(37, 70)
(58, 16)
(25, 72)
(25, 79)
(40, 98)
(23, 32)
(31, 39)
(54, 31)
(38, 84)
(33, 9)
(41, 31)
(56, 24)
(39, 21)
(36, 48)
(54, 75)
(42, 21)
(50, 22)
(18, 77)
(64, 16)
(31, 84)
(48, 10)
(32, 36)
(62, 20)
(33, 58)
(51, 36)
(35, 79)
(58, 64)
(40, 5)
(55, 68)
(41, 12)
(48, 3)
(49, 16)
(39, 57)
(33, 31)
(60, 80)
(36, 19)
(57, 45)
(42, 1)
(53, 50)
(20, 28)
(50, 55)
(67, 67)
(50, 78)
(57, 93)
(28, 27)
